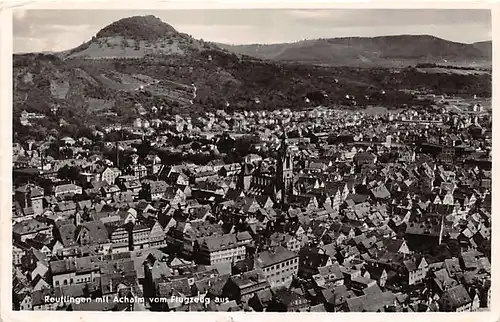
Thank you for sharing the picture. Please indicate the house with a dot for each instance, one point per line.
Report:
(377, 273)
(140, 236)
(129, 183)
(65, 233)
(35, 262)
(373, 301)
(67, 190)
(109, 192)
(177, 179)
(155, 190)
(380, 192)
(311, 259)
(24, 301)
(243, 287)
(455, 299)
(175, 196)
(74, 271)
(110, 174)
(329, 274)
(359, 283)
(138, 170)
(244, 238)
(200, 214)
(93, 233)
(278, 264)
(396, 246)
(416, 270)
(261, 300)
(220, 249)
(18, 251)
(290, 301)
(118, 235)
(38, 282)
(40, 299)
(30, 196)
(424, 233)
(65, 208)
(442, 281)
(157, 235)
(363, 158)
(290, 242)
(28, 229)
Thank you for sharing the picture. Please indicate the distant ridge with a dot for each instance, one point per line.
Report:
(363, 51)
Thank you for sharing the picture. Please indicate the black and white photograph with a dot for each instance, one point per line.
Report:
(251, 160)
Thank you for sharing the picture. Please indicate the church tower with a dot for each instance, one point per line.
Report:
(245, 177)
(284, 169)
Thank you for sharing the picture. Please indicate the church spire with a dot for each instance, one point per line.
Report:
(283, 146)
(117, 155)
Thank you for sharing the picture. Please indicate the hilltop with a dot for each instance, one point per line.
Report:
(140, 28)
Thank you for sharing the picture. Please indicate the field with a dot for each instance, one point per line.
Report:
(452, 71)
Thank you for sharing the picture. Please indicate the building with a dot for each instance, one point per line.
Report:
(284, 169)
(455, 299)
(155, 190)
(110, 174)
(67, 190)
(140, 237)
(279, 265)
(28, 229)
(242, 287)
(220, 249)
(30, 197)
(74, 271)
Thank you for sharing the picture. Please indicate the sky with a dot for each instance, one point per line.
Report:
(57, 30)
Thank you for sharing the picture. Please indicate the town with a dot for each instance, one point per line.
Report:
(312, 210)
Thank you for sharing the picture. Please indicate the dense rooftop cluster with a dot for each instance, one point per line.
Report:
(312, 210)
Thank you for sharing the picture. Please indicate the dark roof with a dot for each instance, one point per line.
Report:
(280, 254)
(381, 192)
(32, 190)
(97, 231)
(455, 297)
(218, 243)
(28, 226)
(248, 279)
(68, 234)
(39, 296)
(158, 186)
(392, 245)
(429, 227)
(180, 285)
(370, 303)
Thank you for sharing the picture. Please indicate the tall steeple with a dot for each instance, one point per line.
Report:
(117, 155)
(284, 168)
(283, 150)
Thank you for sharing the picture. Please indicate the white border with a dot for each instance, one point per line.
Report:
(6, 8)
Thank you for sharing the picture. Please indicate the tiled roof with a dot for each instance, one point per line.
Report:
(455, 297)
(28, 226)
(278, 255)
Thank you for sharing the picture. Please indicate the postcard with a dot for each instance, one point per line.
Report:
(237, 161)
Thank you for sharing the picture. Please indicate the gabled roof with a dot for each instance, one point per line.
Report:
(67, 234)
(96, 231)
(455, 297)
